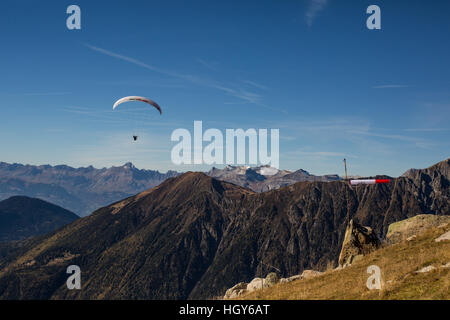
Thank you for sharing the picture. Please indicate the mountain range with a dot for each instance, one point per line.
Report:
(80, 190)
(194, 236)
(265, 178)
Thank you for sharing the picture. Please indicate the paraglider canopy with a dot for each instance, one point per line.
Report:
(137, 98)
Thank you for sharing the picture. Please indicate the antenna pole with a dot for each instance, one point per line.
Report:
(345, 165)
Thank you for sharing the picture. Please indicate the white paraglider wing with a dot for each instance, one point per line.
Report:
(137, 98)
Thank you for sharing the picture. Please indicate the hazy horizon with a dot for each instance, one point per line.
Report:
(208, 168)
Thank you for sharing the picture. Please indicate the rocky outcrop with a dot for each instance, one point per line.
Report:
(426, 269)
(236, 291)
(358, 241)
(444, 237)
(409, 228)
(272, 279)
(256, 284)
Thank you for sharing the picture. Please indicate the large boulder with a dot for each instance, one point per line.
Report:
(358, 241)
(272, 279)
(407, 229)
(236, 291)
(256, 284)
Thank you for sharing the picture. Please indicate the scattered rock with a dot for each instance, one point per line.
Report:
(236, 291)
(30, 263)
(411, 238)
(307, 274)
(426, 269)
(272, 279)
(256, 284)
(358, 241)
(445, 236)
(67, 256)
(405, 229)
(290, 279)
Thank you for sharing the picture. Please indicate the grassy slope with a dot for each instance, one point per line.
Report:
(398, 264)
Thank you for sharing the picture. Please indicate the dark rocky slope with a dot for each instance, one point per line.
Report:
(23, 217)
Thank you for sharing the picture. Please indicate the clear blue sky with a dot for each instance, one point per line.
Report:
(310, 68)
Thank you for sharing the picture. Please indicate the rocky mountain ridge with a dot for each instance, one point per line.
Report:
(265, 178)
(83, 190)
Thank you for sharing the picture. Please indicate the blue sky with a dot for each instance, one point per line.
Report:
(380, 98)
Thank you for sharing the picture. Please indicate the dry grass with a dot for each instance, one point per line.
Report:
(398, 264)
